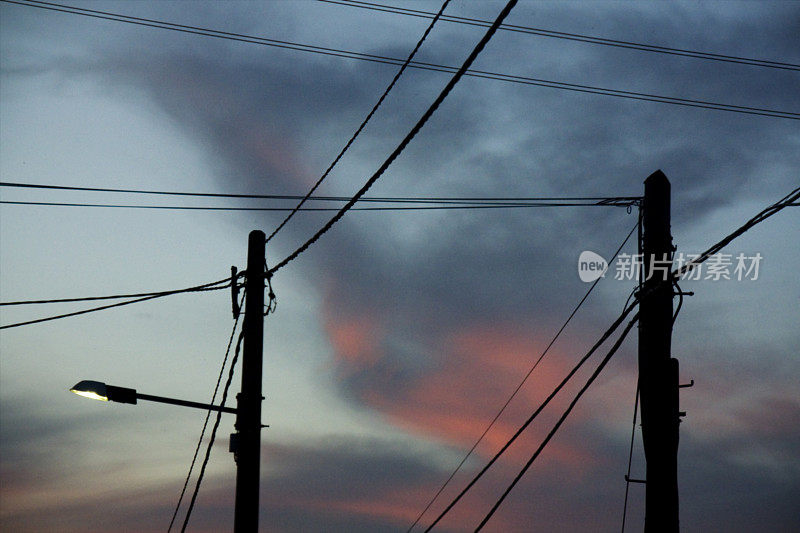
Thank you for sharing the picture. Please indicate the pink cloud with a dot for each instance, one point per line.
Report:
(457, 400)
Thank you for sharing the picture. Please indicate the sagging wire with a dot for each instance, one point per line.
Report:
(560, 421)
(213, 432)
(680, 293)
(517, 389)
(630, 456)
(236, 315)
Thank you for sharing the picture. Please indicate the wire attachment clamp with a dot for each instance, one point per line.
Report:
(235, 307)
(272, 305)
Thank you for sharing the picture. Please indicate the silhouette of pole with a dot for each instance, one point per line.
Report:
(247, 447)
(658, 371)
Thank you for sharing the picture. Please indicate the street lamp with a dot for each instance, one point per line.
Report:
(97, 390)
(246, 442)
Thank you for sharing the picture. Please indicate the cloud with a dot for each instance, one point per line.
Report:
(434, 318)
(368, 485)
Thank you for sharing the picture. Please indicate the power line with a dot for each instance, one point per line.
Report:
(517, 389)
(563, 417)
(632, 95)
(363, 123)
(630, 458)
(208, 414)
(83, 299)
(213, 286)
(608, 200)
(167, 193)
(460, 206)
(407, 139)
(787, 201)
(213, 433)
(113, 297)
(525, 80)
(270, 307)
(572, 36)
(538, 410)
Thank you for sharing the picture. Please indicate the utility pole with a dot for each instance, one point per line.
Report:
(247, 442)
(658, 371)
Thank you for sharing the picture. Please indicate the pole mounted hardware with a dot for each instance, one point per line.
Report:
(235, 293)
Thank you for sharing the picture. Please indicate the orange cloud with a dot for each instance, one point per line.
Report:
(354, 340)
(473, 372)
(458, 401)
(355, 336)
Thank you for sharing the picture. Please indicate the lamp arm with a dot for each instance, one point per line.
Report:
(183, 403)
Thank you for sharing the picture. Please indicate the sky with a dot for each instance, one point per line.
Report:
(398, 336)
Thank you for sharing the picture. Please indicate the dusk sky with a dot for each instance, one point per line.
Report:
(399, 335)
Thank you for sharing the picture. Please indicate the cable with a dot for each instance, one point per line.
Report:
(270, 307)
(213, 286)
(517, 389)
(630, 457)
(208, 414)
(363, 123)
(636, 290)
(85, 298)
(633, 428)
(649, 97)
(600, 200)
(457, 206)
(407, 139)
(786, 201)
(630, 295)
(207, 287)
(571, 36)
(604, 200)
(146, 191)
(419, 65)
(550, 435)
(790, 200)
(539, 409)
(213, 433)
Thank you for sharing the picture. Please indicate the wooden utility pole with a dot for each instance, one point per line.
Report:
(658, 371)
(247, 446)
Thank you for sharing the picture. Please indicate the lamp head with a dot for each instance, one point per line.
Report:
(97, 390)
(91, 389)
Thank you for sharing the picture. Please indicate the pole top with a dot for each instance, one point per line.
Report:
(656, 178)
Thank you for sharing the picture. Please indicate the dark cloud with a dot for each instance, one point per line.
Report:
(370, 485)
(722, 493)
(34, 439)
